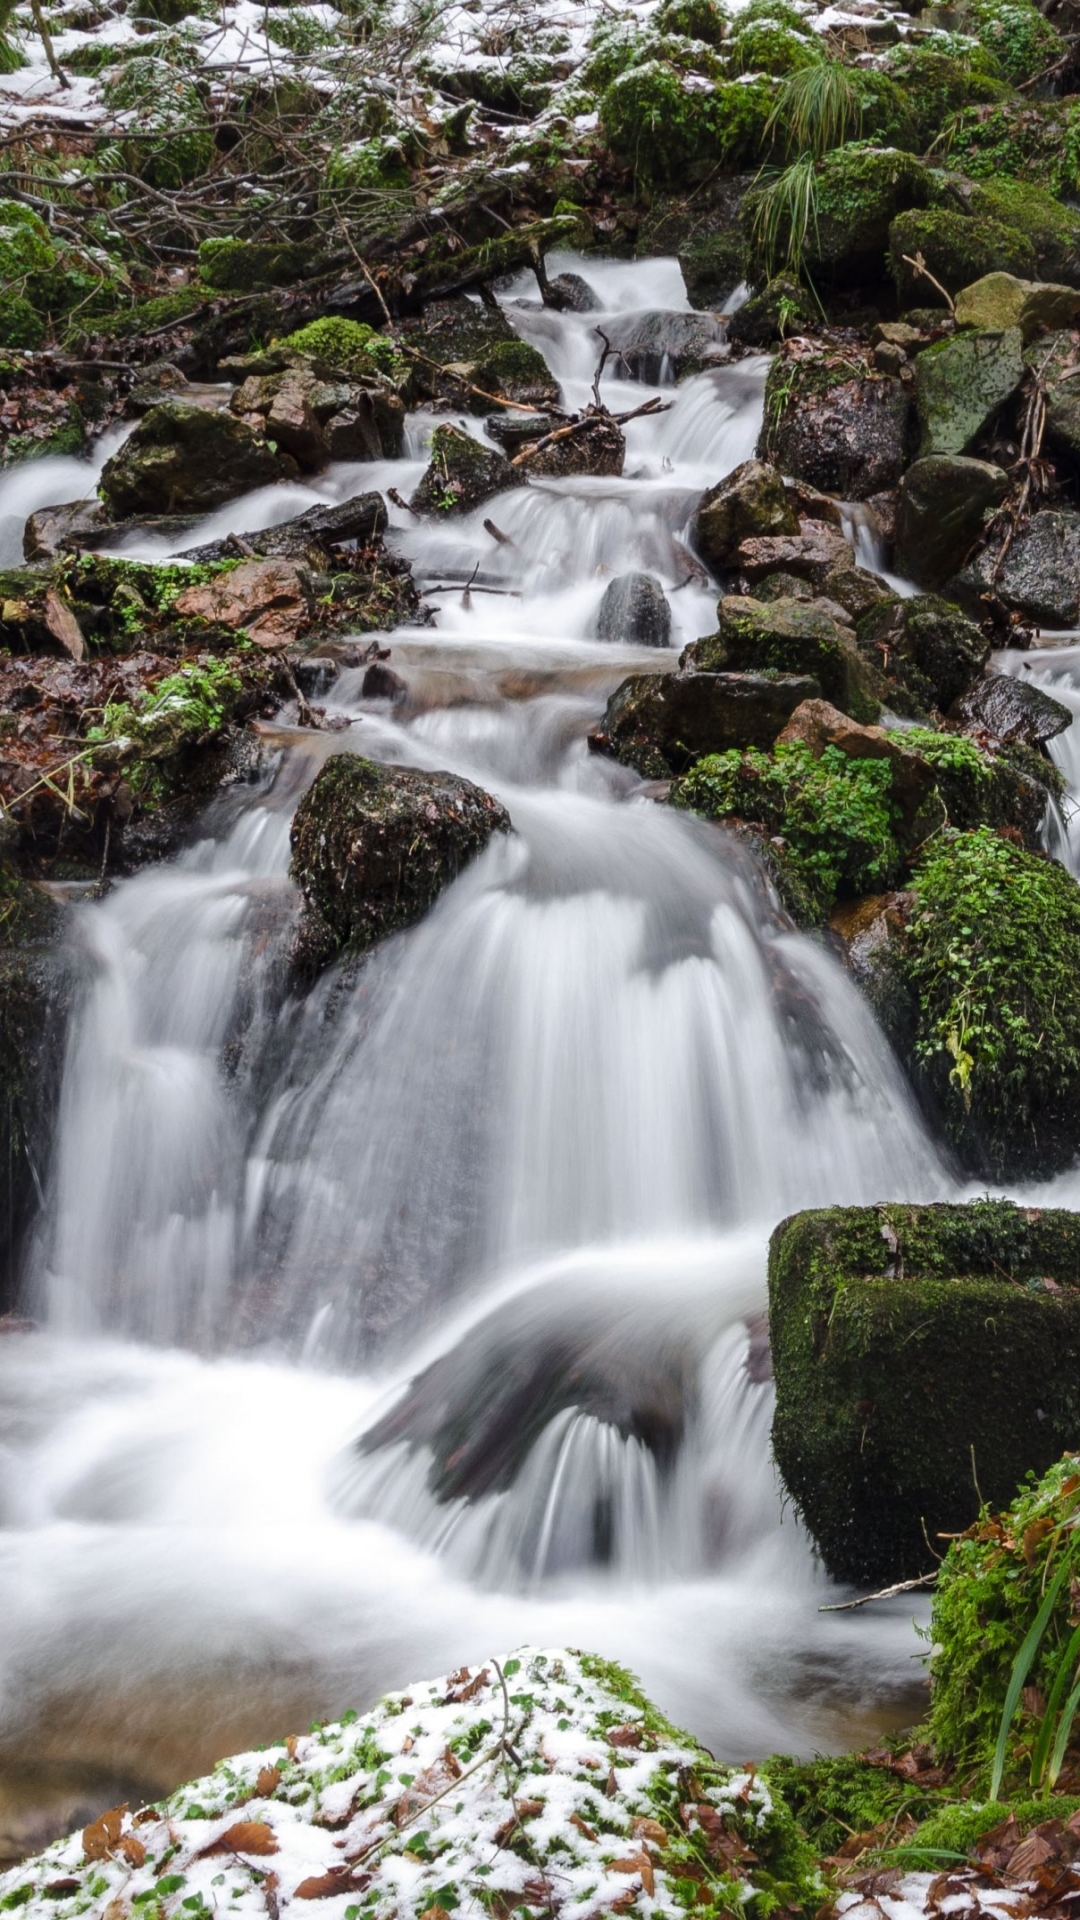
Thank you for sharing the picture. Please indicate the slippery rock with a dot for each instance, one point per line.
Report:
(781, 307)
(960, 384)
(999, 301)
(944, 501)
(658, 346)
(270, 599)
(462, 474)
(1011, 710)
(373, 847)
(1040, 575)
(817, 725)
(317, 420)
(925, 647)
(661, 723)
(361, 518)
(571, 294)
(598, 447)
(957, 249)
(751, 503)
(812, 554)
(790, 636)
(182, 456)
(846, 435)
(635, 611)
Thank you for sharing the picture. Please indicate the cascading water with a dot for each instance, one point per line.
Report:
(424, 1315)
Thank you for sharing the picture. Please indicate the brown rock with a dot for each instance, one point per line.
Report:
(810, 555)
(817, 725)
(270, 599)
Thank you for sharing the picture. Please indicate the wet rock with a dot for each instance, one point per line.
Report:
(749, 504)
(316, 674)
(599, 449)
(462, 474)
(270, 599)
(572, 294)
(517, 372)
(926, 648)
(960, 384)
(812, 554)
(380, 682)
(790, 636)
(817, 725)
(54, 530)
(1040, 575)
(37, 979)
(659, 346)
(999, 301)
(374, 846)
(957, 249)
(846, 435)
(859, 190)
(780, 308)
(660, 723)
(1055, 360)
(363, 518)
(512, 431)
(634, 611)
(944, 501)
(181, 456)
(855, 589)
(1012, 710)
(316, 420)
(888, 1326)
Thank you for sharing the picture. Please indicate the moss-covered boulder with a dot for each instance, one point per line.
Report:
(248, 266)
(957, 248)
(515, 371)
(923, 1361)
(944, 503)
(1015, 33)
(961, 384)
(1053, 229)
(1038, 577)
(1000, 300)
(660, 724)
(334, 345)
(840, 426)
(462, 474)
(858, 191)
(704, 234)
(752, 502)
(938, 84)
(781, 307)
(1010, 1568)
(1023, 140)
(182, 457)
(791, 635)
(574, 1810)
(374, 846)
(665, 123)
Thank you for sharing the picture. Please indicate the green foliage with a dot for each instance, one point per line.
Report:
(833, 1797)
(937, 84)
(994, 1584)
(836, 815)
(348, 346)
(958, 249)
(21, 325)
(817, 108)
(767, 46)
(994, 963)
(367, 167)
(185, 706)
(783, 216)
(1020, 138)
(1015, 33)
(298, 30)
(615, 46)
(703, 20)
(167, 106)
(663, 127)
(957, 1829)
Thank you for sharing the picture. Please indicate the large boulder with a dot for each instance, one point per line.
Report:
(925, 647)
(858, 191)
(660, 723)
(1011, 710)
(789, 635)
(373, 847)
(181, 457)
(944, 502)
(957, 249)
(634, 611)
(751, 503)
(659, 346)
(1039, 576)
(924, 1361)
(844, 433)
(999, 301)
(462, 474)
(960, 384)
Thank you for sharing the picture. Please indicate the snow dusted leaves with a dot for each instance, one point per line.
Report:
(541, 1785)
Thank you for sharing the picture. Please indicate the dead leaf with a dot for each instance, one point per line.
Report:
(323, 1886)
(244, 1836)
(101, 1836)
(462, 1688)
(628, 1736)
(133, 1850)
(638, 1863)
(268, 1781)
(63, 625)
(651, 1830)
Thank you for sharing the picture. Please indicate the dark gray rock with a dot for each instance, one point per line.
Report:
(512, 431)
(1012, 710)
(661, 723)
(1040, 576)
(634, 610)
(361, 518)
(181, 456)
(462, 474)
(660, 346)
(926, 648)
(944, 501)
(573, 294)
(598, 449)
(751, 503)
(847, 436)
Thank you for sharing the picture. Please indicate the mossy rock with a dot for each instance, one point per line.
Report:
(518, 372)
(248, 266)
(37, 979)
(962, 384)
(339, 346)
(981, 788)
(1018, 139)
(1022, 43)
(1053, 230)
(990, 1588)
(957, 248)
(462, 474)
(791, 636)
(373, 847)
(661, 723)
(836, 423)
(927, 648)
(185, 457)
(768, 46)
(662, 125)
(939, 85)
(860, 189)
(21, 324)
(703, 20)
(704, 234)
(919, 1358)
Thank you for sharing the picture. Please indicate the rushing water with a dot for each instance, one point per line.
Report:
(402, 1323)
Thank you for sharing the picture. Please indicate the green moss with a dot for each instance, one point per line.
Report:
(348, 346)
(937, 85)
(791, 636)
(854, 193)
(614, 46)
(916, 1351)
(1036, 140)
(1015, 33)
(154, 315)
(1052, 229)
(367, 167)
(957, 1829)
(298, 30)
(703, 20)
(662, 127)
(981, 789)
(836, 815)
(958, 249)
(21, 325)
(245, 266)
(767, 46)
(994, 965)
(834, 1797)
(168, 106)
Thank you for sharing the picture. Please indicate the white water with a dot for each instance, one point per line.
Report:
(531, 1156)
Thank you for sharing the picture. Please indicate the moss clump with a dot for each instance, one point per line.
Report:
(1053, 230)
(857, 190)
(957, 1829)
(1017, 36)
(937, 85)
(958, 249)
(661, 125)
(908, 1343)
(989, 1589)
(701, 20)
(836, 1796)
(21, 325)
(348, 346)
(246, 266)
(518, 370)
(367, 167)
(1036, 140)
(166, 103)
(981, 789)
(837, 816)
(161, 311)
(994, 966)
(766, 46)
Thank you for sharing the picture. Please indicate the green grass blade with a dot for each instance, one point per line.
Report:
(1064, 1729)
(1066, 1666)
(1020, 1669)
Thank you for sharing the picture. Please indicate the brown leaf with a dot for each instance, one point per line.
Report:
(57, 1887)
(63, 625)
(435, 1913)
(426, 1787)
(651, 1830)
(638, 1863)
(146, 1816)
(101, 1836)
(133, 1850)
(583, 1827)
(462, 1688)
(628, 1736)
(244, 1836)
(292, 1741)
(322, 1886)
(1033, 1534)
(268, 1781)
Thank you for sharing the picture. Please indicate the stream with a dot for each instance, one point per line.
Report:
(422, 1317)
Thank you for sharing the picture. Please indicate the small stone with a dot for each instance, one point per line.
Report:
(573, 294)
(634, 611)
(888, 357)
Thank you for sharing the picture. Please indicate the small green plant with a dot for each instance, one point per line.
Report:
(785, 215)
(190, 703)
(817, 108)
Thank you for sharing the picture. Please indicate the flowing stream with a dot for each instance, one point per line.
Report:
(424, 1316)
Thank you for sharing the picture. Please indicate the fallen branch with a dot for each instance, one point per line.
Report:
(884, 1593)
(588, 419)
(916, 260)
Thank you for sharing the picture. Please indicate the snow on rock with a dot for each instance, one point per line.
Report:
(544, 1784)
